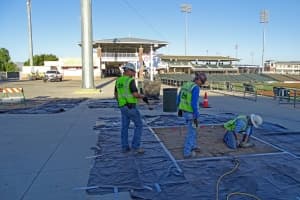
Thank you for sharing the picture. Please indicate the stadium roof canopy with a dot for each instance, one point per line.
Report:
(128, 45)
(197, 58)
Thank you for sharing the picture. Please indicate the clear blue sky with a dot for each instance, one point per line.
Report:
(216, 27)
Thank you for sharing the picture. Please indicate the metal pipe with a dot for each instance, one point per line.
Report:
(264, 18)
(263, 48)
(28, 3)
(87, 45)
(186, 33)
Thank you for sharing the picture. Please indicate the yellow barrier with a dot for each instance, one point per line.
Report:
(11, 95)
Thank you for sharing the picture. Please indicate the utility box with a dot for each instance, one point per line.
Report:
(169, 99)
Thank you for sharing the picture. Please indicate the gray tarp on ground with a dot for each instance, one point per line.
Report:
(154, 175)
(50, 106)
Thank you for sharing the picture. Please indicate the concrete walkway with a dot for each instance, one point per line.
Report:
(282, 114)
(44, 156)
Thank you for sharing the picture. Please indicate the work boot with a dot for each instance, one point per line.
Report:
(196, 149)
(125, 150)
(246, 144)
(139, 151)
(192, 155)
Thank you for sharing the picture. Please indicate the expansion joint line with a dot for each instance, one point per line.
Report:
(49, 157)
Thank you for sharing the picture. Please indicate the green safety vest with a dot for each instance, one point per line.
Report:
(230, 125)
(123, 89)
(186, 97)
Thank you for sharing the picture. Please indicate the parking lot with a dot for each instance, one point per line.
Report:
(37, 88)
(37, 92)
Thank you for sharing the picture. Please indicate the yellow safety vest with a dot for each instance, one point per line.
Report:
(230, 125)
(123, 89)
(186, 97)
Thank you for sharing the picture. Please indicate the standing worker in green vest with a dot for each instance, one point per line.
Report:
(188, 105)
(242, 124)
(127, 96)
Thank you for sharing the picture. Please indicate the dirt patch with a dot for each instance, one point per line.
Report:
(210, 141)
(288, 85)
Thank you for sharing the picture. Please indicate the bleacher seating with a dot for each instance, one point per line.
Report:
(293, 77)
(234, 78)
(279, 77)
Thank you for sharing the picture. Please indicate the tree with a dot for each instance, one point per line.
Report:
(11, 67)
(38, 60)
(6, 64)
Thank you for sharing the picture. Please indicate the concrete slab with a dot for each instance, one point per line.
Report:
(50, 151)
(13, 185)
(43, 156)
(268, 108)
(58, 184)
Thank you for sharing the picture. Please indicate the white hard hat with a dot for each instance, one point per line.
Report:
(256, 120)
(129, 66)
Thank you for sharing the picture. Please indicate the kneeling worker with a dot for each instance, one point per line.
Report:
(243, 124)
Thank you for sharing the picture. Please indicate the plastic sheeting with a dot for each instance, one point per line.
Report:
(50, 106)
(156, 175)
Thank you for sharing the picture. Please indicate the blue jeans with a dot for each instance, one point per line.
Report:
(229, 140)
(191, 136)
(126, 116)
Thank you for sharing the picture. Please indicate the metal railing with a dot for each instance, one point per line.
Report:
(287, 95)
(247, 91)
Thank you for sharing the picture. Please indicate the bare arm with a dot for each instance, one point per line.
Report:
(116, 93)
(137, 95)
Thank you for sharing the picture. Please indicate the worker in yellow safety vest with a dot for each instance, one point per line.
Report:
(242, 124)
(127, 96)
(188, 107)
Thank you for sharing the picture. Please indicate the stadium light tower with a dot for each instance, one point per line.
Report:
(186, 8)
(28, 3)
(236, 47)
(264, 19)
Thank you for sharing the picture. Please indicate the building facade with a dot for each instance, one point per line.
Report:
(282, 67)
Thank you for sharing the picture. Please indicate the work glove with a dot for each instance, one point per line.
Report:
(179, 113)
(195, 123)
(145, 99)
(196, 115)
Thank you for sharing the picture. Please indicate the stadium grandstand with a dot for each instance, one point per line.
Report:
(110, 54)
(175, 70)
(191, 64)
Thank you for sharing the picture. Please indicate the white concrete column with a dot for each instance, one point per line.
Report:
(151, 63)
(87, 45)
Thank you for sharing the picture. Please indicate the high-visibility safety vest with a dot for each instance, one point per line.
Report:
(124, 94)
(230, 125)
(186, 97)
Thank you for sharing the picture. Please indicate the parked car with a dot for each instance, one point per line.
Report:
(53, 75)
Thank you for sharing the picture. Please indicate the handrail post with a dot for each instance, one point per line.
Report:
(295, 92)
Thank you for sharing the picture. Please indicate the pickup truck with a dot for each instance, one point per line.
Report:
(53, 75)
